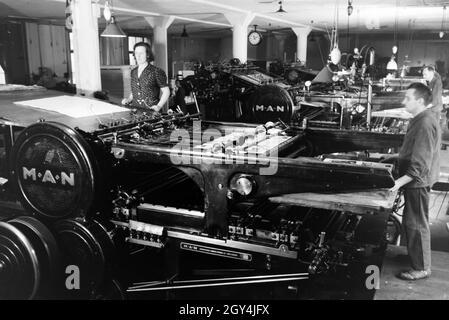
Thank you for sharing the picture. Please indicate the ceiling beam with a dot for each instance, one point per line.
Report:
(291, 23)
(220, 5)
(227, 25)
(268, 17)
(155, 14)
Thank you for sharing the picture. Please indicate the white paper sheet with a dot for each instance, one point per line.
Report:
(73, 106)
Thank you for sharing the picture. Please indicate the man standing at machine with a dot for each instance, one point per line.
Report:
(436, 86)
(148, 82)
(419, 159)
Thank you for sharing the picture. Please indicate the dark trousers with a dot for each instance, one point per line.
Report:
(416, 226)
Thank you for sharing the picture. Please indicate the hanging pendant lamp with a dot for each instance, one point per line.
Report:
(184, 33)
(280, 10)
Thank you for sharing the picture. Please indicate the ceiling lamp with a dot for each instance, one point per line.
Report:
(113, 30)
(443, 20)
(107, 11)
(392, 65)
(350, 7)
(280, 10)
(184, 33)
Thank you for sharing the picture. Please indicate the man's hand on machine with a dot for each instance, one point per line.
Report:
(177, 110)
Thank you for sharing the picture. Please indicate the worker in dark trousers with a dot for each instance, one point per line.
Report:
(419, 159)
(436, 87)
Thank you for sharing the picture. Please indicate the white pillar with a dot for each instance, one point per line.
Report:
(240, 23)
(2, 76)
(301, 44)
(160, 26)
(86, 48)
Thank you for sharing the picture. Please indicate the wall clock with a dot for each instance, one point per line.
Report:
(255, 37)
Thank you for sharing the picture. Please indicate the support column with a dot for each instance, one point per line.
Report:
(240, 23)
(269, 47)
(86, 48)
(301, 44)
(282, 55)
(159, 45)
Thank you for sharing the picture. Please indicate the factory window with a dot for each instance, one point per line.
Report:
(131, 42)
(72, 58)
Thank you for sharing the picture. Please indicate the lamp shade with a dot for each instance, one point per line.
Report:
(280, 10)
(113, 30)
(392, 65)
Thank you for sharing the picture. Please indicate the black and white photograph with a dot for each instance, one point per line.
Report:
(218, 157)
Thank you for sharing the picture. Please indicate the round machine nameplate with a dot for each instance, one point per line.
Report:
(53, 171)
(270, 103)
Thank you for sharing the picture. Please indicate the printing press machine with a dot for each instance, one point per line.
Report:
(95, 188)
(327, 111)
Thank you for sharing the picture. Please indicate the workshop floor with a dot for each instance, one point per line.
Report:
(437, 286)
(439, 209)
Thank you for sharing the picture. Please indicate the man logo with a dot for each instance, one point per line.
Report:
(47, 176)
(269, 108)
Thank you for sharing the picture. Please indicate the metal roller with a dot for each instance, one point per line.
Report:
(46, 249)
(88, 245)
(112, 290)
(20, 271)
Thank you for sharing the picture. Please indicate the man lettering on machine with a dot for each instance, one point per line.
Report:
(148, 82)
(419, 159)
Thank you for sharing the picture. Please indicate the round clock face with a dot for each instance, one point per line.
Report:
(254, 38)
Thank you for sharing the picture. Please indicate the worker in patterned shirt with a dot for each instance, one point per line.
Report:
(149, 87)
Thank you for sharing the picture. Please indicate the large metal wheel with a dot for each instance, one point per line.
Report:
(88, 245)
(20, 271)
(46, 249)
(112, 290)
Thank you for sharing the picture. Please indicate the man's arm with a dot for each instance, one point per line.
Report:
(402, 181)
(421, 157)
(423, 148)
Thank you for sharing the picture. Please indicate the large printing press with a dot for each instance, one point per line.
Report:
(335, 97)
(267, 194)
